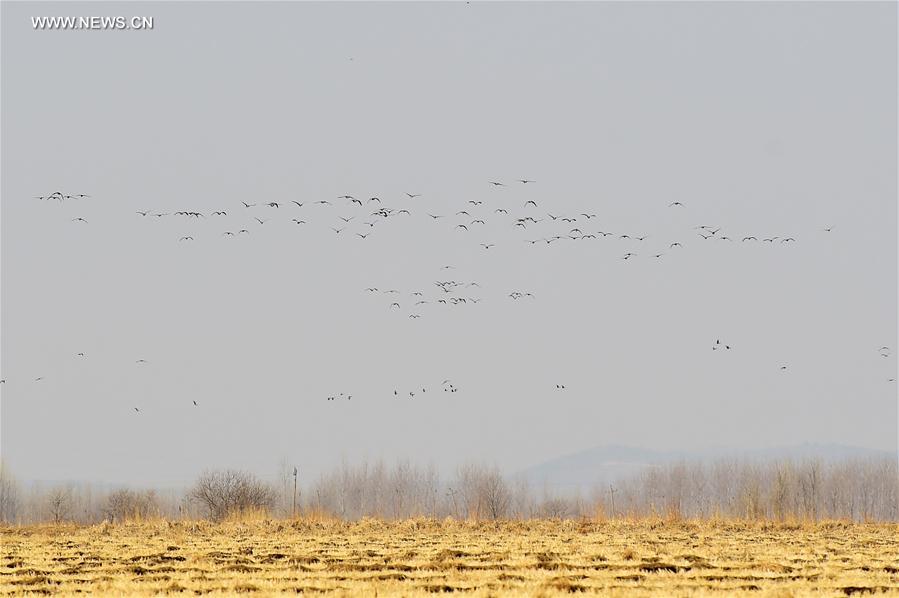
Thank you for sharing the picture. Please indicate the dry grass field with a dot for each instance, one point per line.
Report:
(422, 557)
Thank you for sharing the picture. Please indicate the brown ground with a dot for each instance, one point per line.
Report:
(421, 557)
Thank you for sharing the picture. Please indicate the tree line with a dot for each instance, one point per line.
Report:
(852, 489)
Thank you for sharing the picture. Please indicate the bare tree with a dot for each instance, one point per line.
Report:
(59, 503)
(124, 504)
(226, 492)
(9, 495)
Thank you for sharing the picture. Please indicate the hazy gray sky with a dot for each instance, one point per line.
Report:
(763, 119)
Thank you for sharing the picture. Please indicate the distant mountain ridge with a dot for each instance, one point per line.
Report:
(601, 465)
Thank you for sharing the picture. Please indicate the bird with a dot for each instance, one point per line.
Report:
(787, 240)
(79, 220)
(496, 184)
(243, 230)
(525, 181)
(220, 213)
(560, 387)
(675, 244)
(461, 226)
(462, 213)
(299, 221)
(783, 367)
(413, 195)
(414, 316)
(828, 229)
(137, 410)
(80, 354)
(248, 205)
(501, 211)
(488, 245)
(299, 205)
(475, 202)
(39, 378)
(434, 216)
(260, 220)
(344, 197)
(143, 213)
(195, 404)
(273, 204)
(675, 203)
(338, 230)
(394, 304)
(186, 239)
(362, 236)
(346, 219)
(749, 239)
(530, 201)
(588, 216)
(141, 361)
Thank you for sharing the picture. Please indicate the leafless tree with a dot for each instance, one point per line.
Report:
(9, 495)
(229, 491)
(59, 503)
(124, 504)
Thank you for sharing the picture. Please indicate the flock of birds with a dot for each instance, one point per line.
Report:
(349, 215)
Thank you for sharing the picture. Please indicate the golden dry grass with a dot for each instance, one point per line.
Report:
(422, 557)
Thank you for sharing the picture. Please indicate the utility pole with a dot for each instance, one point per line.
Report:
(612, 492)
(293, 510)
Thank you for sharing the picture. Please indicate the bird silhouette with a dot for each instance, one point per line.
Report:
(79, 220)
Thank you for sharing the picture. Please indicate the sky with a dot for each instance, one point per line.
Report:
(763, 119)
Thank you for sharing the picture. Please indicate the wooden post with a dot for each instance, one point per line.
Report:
(293, 510)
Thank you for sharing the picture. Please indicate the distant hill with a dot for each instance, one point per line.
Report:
(602, 465)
